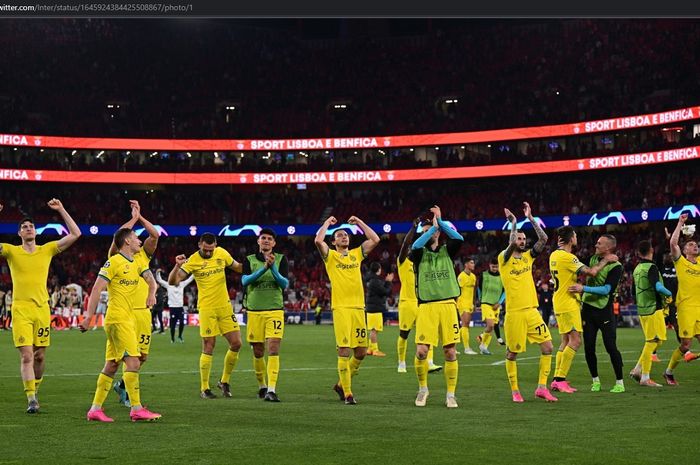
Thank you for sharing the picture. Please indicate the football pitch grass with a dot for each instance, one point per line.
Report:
(311, 426)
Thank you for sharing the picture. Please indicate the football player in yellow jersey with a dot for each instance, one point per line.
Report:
(565, 268)
(465, 301)
(408, 302)
(29, 270)
(687, 298)
(347, 298)
(120, 275)
(523, 322)
(142, 314)
(208, 265)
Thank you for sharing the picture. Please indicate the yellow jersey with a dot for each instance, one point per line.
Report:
(347, 290)
(30, 271)
(564, 267)
(123, 276)
(210, 276)
(407, 277)
(467, 284)
(688, 283)
(516, 274)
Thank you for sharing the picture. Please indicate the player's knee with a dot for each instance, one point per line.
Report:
(546, 348)
(26, 358)
(39, 357)
(685, 344)
(258, 350)
(234, 346)
(403, 334)
(511, 356)
(450, 354)
(422, 352)
(143, 358)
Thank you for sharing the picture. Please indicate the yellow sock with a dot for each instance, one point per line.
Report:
(464, 334)
(204, 371)
(354, 366)
(30, 389)
(344, 374)
(648, 349)
(512, 372)
(229, 364)
(486, 339)
(567, 357)
(131, 383)
(259, 367)
(104, 385)
(451, 372)
(546, 366)
(422, 372)
(401, 344)
(37, 383)
(430, 355)
(273, 371)
(373, 346)
(675, 359)
(557, 364)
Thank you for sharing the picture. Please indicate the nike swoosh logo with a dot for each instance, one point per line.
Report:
(606, 322)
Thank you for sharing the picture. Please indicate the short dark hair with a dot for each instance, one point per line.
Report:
(374, 267)
(644, 247)
(494, 260)
(208, 238)
(469, 259)
(565, 233)
(269, 232)
(611, 238)
(120, 237)
(24, 220)
(337, 230)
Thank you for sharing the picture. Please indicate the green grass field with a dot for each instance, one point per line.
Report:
(311, 426)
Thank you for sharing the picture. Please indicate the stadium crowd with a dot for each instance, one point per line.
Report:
(62, 74)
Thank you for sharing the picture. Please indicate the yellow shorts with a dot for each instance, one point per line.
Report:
(121, 341)
(465, 310)
(350, 327)
(654, 326)
(217, 321)
(375, 321)
(569, 321)
(408, 311)
(688, 321)
(262, 325)
(488, 313)
(142, 327)
(437, 321)
(522, 326)
(31, 325)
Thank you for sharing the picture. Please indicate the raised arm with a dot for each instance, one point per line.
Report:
(151, 242)
(372, 238)
(541, 235)
(675, 248)
(135, 213)
(320, 239)
(176, 274)
(513, 234)
(407, 240)
(73, 229)
(160, 279)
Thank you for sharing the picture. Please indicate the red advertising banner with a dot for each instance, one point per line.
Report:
(587, 164)
(339, 143)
